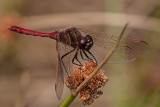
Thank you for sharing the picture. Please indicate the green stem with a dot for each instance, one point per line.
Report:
(68, 101)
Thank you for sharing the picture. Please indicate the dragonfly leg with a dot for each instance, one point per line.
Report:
(75, 57)
(88, 59)
(63, 57)
(92, 56)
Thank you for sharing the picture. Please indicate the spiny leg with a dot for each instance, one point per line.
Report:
(92, 56)
(65, 56)
(88, 59)
(87, 55)
(75, 57)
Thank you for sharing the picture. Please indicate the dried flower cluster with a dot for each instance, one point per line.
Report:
(92, 90)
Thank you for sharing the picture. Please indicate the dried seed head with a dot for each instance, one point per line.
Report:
(91, 90)
(86, 99)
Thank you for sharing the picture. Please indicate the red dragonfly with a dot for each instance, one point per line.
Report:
(77, 45)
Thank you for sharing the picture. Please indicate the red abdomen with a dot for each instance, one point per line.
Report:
(30, 32)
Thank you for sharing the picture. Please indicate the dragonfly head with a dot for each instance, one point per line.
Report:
(86, 42)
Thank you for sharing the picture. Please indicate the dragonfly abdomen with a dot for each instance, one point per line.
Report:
(31, 32)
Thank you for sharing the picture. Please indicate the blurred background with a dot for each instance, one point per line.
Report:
(28, 64)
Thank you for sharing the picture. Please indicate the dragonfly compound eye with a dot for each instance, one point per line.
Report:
(89, 42)
(86, 42)
(88, 45)
(89, 38)
(82, 43)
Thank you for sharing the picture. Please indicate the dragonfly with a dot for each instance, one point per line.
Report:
(76, 45)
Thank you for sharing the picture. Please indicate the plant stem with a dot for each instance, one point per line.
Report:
(75, 93)
(68, 101)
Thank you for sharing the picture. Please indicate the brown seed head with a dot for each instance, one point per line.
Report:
(91, 90)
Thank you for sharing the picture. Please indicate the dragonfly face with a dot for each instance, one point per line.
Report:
(86, 43)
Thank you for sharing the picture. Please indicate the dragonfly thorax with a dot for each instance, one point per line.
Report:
(73, 37)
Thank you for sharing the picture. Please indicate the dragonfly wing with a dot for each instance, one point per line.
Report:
(64, 63)
(59, 76)
(64, 49)
(122, 53)
(126, 51)
(140, 47)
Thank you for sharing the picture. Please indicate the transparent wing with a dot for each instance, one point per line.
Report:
(59, 77)
(67, 58)
(140, 47)
(125, 52)
(64, 64)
